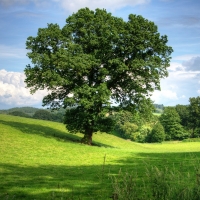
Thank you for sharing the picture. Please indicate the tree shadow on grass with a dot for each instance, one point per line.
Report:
(53, 182)
(47, 132)
(82, 182)
(42, 130)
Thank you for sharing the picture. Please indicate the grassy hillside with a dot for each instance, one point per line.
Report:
(42, 160)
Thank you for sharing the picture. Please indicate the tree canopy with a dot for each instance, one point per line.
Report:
(194, 114)
(171, 122)
(94, 60)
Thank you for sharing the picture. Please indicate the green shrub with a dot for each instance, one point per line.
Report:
(171, 122)
(157, 134)
(144, 133)
(130, 131)
(43, 114)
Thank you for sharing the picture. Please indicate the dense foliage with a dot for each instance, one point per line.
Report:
(194, 116)
(183, 111)
(157, 134)
(93, 59)
(43, 114)
(170, 120)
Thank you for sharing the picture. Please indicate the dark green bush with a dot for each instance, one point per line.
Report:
(157, 134)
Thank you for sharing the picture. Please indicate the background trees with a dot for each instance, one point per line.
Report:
(180, 122)
(194, 116)
(157, 134)
(43, 114)
(183, 111)
(94, 58)
(19, 113)
(170, 120)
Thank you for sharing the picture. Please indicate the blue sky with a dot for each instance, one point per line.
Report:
(178, 19)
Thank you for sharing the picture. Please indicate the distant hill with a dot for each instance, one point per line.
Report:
(37, 113)
(27, 110)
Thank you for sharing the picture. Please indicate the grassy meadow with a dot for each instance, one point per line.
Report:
(42, 160)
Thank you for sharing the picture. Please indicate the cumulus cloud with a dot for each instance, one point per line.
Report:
(175, 66)
(182, 82)
(165, 96)
(193, 64)
(13, 92)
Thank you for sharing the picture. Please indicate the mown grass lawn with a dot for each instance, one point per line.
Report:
(42, 160)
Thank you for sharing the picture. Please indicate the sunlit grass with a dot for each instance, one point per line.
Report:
(42, 160)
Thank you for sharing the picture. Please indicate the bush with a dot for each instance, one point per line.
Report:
(43, 114)
(157, 134)
(144, 133)
(130, 131)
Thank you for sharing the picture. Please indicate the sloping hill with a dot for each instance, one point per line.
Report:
(42, 160)
(27, 110)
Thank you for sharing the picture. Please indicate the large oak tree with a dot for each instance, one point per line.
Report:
(94, 59)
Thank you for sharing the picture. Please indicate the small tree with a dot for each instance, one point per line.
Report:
(183, 111)
(170, 120)
(157, 134)
(130, 131)
(194, 114)
(120, 118)
(94, 58)
(43, 114)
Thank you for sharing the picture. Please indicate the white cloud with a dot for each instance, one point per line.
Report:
(193, 64)
(175, 66)
(75, 5)
(182, 82)
(162, 96)
(13, 92)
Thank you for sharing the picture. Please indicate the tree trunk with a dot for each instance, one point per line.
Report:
(87, 139)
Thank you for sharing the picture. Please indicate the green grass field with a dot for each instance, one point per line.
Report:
(42, 160)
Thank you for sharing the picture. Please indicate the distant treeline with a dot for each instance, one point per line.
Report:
(36, 113)
(159, 108)
(46, 114)
(180, 122)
